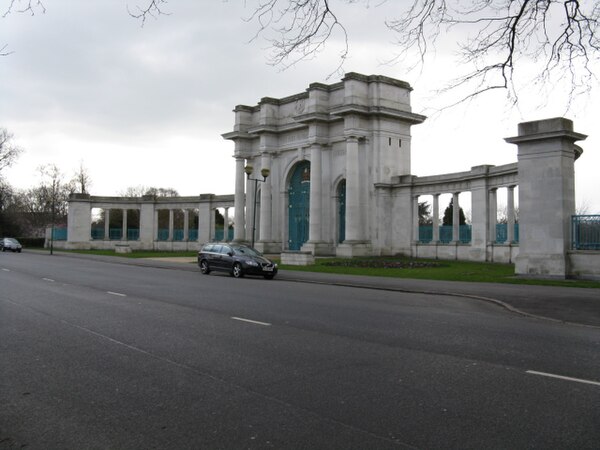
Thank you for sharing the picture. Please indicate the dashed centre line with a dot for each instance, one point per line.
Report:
(118, 294)
(561, 377)
(6, 270)
(255, 322)
(49, 280)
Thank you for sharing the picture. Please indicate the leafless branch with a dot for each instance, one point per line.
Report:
(501, 38)
(25, 6)
(301, 28)
(153, 8)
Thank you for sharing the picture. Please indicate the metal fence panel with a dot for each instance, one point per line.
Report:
(585, 232)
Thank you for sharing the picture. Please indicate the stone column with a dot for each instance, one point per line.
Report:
(186, 225)
(436, 218)
(415, 218)
(546, 155)
(264, 232)
(226, 225)
(353, 213)
(355, 243)
(455, 218)
(314, 233)
(155, 224)
(239, 201)
(510, 215)
(171, 222)
(493, 214)
(479, 215)
(107, 224)
(315, 243)
(124, 232)
(213, 224)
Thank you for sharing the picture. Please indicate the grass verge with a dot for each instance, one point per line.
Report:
(394, 267)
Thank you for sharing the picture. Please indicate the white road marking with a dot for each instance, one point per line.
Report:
(6, 270)
(118, 294)
(561, 377)
(265, 324)
(49, 280)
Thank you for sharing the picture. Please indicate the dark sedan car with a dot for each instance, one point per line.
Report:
(10, 244)
(238, 260)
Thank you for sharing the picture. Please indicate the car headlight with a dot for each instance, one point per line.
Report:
(252, 263)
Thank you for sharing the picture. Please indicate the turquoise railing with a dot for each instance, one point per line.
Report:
(465, 232)
(426, 234)
(59, 234)
(502, 233)
(585, 232)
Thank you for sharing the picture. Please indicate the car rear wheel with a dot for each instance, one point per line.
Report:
(237, 271)
(204, 267)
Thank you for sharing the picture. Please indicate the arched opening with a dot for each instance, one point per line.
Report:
(299, 205)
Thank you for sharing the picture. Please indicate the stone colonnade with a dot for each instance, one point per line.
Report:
(483, 183)
(147, 235)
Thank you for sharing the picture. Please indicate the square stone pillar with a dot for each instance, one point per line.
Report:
(546, 153)
(79, 226)
(147, 223)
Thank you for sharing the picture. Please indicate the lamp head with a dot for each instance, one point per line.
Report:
(248, 169)
(265, 173)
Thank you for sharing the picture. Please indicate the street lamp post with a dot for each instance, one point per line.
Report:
(265, 174)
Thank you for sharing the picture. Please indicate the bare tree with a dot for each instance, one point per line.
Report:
(499, 37)
(138, 191)
(8, 151)
(81, 181)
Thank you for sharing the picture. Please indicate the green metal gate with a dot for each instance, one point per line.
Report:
(341, 195)
(299, 205)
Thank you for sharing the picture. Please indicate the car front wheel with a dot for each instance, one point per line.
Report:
(204, 267)
(237, 271)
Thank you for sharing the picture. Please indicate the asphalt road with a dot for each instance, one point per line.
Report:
(103, 356)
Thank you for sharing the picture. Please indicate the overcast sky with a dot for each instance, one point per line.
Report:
(146, 106)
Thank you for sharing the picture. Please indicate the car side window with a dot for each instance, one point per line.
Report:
(208, 248)
(225, 249)
(216, 249)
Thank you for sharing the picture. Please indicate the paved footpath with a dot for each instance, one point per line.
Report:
(564, 304)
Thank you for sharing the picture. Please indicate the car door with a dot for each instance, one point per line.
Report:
(227, 257)
(214, 257)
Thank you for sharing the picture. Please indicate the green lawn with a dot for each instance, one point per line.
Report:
(424, 269)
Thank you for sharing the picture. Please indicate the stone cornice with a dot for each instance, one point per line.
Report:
(233, 135)
(407, 116)
(377, 79)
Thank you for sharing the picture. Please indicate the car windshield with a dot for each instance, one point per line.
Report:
(246, 251)
(11, 240)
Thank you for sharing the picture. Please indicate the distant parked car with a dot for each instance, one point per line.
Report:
(10, 244)
(238, 260)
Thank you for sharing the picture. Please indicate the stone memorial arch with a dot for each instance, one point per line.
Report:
(327, 148)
